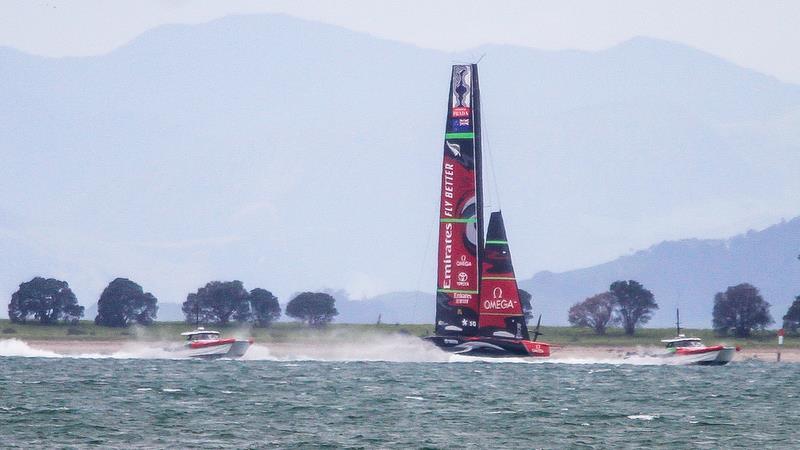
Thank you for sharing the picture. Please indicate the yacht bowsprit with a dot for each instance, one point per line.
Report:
(478, 309)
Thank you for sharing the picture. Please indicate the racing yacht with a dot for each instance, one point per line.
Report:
(478, 307)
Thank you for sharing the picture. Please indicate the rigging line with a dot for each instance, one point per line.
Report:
(466, 63)
(489, 153)
(424, 260)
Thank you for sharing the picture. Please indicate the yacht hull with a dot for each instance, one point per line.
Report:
(490, 346)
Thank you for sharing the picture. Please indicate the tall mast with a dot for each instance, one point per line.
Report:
(476, 118)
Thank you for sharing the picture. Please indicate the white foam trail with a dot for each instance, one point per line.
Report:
(15, 347)
(641, 357)
(334, 346)
(349, 346)
(259, 352)
(646, 417)
(371, 346)
(132, 350)
(629, 361)
(142, 350)
(466, 358)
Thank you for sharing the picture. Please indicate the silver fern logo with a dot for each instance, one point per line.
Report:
(454, 148)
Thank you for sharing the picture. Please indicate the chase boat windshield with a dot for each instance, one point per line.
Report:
(201, 334)
(682, 341)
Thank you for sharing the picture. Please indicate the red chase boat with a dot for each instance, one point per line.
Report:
(478, 309)
(202, 343)
(690, 350)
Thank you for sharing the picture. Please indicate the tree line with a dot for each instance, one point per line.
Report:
(738, 311)
(124, 302)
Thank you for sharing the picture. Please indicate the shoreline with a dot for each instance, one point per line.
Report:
(560, 352)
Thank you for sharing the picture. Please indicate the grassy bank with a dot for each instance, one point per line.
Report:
(294, 332)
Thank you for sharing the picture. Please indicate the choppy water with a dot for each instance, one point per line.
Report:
(47, 401)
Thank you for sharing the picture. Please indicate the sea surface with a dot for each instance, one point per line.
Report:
(129, 401)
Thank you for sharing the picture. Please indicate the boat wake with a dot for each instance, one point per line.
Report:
(643, 356)
(15, 347)
(348, 346)
(333, 347)
(131, 350)
(339, 346)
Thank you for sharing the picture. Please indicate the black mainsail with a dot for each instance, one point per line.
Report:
(460, 241)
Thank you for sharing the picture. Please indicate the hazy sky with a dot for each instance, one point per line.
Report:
(763, 35)
(171, 258)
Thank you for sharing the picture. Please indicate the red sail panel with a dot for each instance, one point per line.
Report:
(458, 269)
(500, 310)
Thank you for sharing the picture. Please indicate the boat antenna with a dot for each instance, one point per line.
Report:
(678, 321)
(536, 332)
(196, 314)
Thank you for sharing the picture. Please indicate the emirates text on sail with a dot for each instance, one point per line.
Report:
(448, 227)
(448, 254)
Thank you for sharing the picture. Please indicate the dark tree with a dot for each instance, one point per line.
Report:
(124, 302)
(525, 299)
(740, 309)
(596, 312)
(635, 304)
(791, 320)
(45, 299)
(265, 307)
(218, 302)
(315, 308)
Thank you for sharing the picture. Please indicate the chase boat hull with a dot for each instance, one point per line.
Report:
(707, 356)
(702, 356)
(224, 348)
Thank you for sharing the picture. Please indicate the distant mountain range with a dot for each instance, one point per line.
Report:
(395, 307)
(685, 274)
(297, 156)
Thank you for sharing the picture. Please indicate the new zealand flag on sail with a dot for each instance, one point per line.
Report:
(460, 125)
